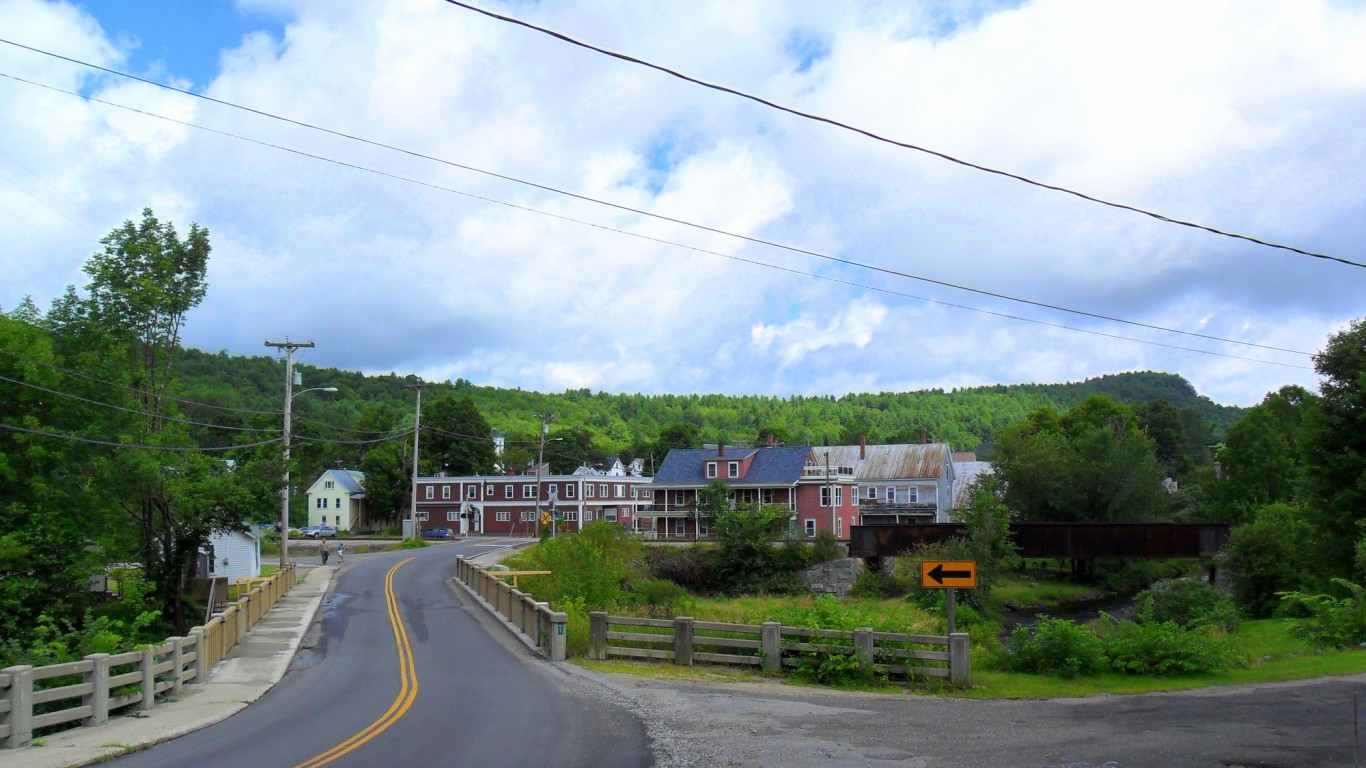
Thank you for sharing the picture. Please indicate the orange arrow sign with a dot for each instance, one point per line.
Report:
(939, 574)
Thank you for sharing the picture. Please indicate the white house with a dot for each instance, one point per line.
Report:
(234, 554)
(898, 483)
(337, 498)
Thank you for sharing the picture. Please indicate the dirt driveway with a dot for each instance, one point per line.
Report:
(1277, 725)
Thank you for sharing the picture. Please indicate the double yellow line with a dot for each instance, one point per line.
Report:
(407, 674)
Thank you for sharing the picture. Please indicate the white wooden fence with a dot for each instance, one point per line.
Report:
(101, 684)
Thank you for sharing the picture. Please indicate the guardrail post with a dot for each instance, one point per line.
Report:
(98, 698)
(243, 618)
(177, 662)
(771, 643)
(683, 640)
(149, 678)
(597, 635)
(863, 645)
(20, 717)
(558, 640)
(960, 663)
(542, 634)
(200, 654)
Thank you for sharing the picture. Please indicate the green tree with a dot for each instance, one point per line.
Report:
(1267, 555)
(676, 435)
(746, 560)
(1265, 455)
(455, 438)
(388, 482)
(987, 540)
(1337, 437)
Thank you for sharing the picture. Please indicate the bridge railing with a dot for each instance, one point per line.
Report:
(543, 628)
(90, 690)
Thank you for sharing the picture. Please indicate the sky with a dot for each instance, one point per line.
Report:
(439, 247)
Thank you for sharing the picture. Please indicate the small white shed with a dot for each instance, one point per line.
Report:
(236, 555)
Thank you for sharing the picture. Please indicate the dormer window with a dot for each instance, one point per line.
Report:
(711, 470)
(733, 469)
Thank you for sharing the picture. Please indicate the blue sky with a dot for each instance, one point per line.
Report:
(1245, 117)
(179, 36)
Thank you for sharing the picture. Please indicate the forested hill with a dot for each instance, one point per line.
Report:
(625, 424)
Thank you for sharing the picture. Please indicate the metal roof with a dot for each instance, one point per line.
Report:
(910, 461)
(771, 466)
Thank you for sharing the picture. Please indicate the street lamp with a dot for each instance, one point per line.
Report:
(290, 394)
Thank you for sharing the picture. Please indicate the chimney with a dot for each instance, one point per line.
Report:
(720, 447)
(862, 447)
(770, 439)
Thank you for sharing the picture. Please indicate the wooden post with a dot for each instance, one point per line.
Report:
(20, 717)
(960, 661)
(863, 645)
(149, 678)
(771, 642)
(98, 698)
(597, 635)
(683, 631)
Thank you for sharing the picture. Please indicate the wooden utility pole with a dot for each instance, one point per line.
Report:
(417, 435)
(289, 347)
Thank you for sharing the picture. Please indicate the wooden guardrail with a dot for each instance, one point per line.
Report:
(90, 690)
(544, 628)
(772, 646)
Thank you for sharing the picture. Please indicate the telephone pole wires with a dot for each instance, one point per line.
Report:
(289, 347)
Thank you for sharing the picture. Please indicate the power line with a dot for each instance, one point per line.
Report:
(170, 448)
(567, 193)
(761, 241)
(904, 145)
(395, 436)
(126, 410)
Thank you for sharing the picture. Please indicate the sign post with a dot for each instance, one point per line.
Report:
(948, 574)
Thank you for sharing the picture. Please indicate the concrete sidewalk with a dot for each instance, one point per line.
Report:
(250, 669)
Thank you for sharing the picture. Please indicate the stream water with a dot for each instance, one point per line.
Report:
(1080, 611)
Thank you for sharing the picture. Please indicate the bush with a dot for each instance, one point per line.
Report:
(1164, 648)
(824, 548)
(871, 583)
(1187, 602)
(690, 566)
(592, 564)
(1054, 647)
(661, 598)
(834, 666)
(1265, 558)
(1332, 621)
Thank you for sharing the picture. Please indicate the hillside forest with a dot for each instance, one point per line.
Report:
(119, 445)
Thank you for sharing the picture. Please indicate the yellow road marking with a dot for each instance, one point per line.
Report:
(407, 674)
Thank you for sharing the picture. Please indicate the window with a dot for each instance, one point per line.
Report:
(324, 503)
(503, 517)
(810, 527)
(679, 497)
(445, 492)
(768, 495)
(912, 494)
(590, 490)
(647, 494)
(317, 503)
(825, 495)
(528, 515)
(680, 527)
(891, 494)
(328, 485)
(488, 491)
(872, 493)
(609, 514)
(703, 527)
(839, 527)
(529, 491)
(472, 492)
(839, 495)
(507, 491)
(618, 491)
(452, 515)
(423, 517)
(430, 494)
(324, 519)
(711, 469)
(602, 490)
(733, 469)
(572, 517)
(569, 491)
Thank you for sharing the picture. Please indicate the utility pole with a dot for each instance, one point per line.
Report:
(289, 347)
(417, 434)
(540, 459)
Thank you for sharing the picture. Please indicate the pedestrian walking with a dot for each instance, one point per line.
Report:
(341, 552)
(325, 549)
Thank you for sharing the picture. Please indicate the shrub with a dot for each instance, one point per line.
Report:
(1054, 647)
(690, 566)
(824, 548)
(661, 598)
(1164, 648)
(591, 564)
(1265, 557)
(1332, 621)
(833, 666)
(871, 583)
(1187, 602)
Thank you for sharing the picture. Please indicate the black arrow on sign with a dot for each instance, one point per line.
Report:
(939, 574)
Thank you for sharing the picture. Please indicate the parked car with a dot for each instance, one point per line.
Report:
(438, 533)
(323, 532)
(309, 531)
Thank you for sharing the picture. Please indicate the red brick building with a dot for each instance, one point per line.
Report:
(507, 504)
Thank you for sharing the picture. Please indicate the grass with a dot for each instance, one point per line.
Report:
(1045, 594)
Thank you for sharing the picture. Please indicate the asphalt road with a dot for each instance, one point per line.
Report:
(401, 672)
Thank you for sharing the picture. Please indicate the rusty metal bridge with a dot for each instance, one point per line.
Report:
(1163, 541)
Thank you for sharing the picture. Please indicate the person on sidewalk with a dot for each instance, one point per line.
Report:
(341, 552)
(325, 549)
